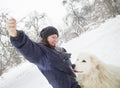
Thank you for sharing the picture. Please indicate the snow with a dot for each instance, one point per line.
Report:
(4, 39)
(103, 42)
(91, 2)
(26, 75)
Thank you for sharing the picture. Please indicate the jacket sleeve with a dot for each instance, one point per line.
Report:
(29, 49)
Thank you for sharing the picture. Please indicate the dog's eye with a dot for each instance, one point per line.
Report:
(84, 61)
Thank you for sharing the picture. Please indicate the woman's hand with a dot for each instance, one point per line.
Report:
(12, 27)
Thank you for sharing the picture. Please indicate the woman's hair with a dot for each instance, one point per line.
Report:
(45, 41)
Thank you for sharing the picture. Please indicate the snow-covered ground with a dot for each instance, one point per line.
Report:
(104, 42)
(25, 75)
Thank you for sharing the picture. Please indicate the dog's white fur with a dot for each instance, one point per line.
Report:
(93, 73)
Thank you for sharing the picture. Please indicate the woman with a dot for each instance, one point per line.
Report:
(53, 62)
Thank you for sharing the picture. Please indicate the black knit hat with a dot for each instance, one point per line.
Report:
(47, 31)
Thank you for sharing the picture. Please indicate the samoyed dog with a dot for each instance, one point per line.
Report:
(93, 73)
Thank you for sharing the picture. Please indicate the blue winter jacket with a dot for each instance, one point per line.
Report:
(52, 63)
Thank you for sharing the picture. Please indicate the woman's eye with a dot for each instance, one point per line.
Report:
(83, 60)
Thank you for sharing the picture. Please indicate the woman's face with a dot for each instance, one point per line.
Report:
(52, 39)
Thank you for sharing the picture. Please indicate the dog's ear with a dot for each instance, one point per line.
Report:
(98, 64)
(100, 67)
(94, 60)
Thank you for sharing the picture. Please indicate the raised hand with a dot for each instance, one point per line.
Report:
(12, 27)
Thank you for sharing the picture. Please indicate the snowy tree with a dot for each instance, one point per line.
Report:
(8, 55)
(31, 25)
(82, 13)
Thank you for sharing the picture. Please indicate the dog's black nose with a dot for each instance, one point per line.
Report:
(73, 66)
(83, 60)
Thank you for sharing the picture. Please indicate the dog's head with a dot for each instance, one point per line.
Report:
(85, 63)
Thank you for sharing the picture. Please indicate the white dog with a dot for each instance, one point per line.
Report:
(92, 73)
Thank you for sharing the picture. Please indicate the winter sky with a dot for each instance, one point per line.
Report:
(20, 8)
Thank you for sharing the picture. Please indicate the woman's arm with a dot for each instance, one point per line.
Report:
(29, 49)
